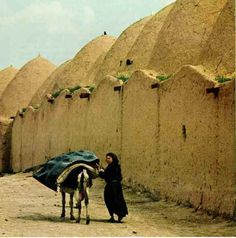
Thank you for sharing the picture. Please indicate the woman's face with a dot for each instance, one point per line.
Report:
(108, 159)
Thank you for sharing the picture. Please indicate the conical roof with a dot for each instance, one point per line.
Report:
(116, 56)
(47, 84)
(6, 75)
(218, 55)
(20, 90)
(75, 72)
(141, 50)
(184, 34)
(92, 74)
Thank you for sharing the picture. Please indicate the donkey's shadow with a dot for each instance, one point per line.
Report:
(53, 218)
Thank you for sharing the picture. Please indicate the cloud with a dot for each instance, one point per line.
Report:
(59, 28)
(50, 16)
(52, 27)
(88, 15)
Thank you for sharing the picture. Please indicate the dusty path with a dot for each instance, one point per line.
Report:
(28, 208)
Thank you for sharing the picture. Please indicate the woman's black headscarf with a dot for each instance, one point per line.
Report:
(114, 157)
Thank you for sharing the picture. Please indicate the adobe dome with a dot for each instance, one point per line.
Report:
(94, 70)
(184, 34)
(141, 50)
(116, 56)
(23, 86)
(6, 75)
(75, 72)
(218, 55)
(47, 84)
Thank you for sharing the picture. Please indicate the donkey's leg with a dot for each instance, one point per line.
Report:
(80, 198)
(86, 201)
(63, 201)
(71, 206)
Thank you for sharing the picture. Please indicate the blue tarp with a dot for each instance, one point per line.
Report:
(48, 173)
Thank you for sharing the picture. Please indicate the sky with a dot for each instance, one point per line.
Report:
(58, 29)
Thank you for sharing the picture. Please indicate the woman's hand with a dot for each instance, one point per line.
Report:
(99, 168)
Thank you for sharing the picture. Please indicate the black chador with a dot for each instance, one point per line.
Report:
(113, 193)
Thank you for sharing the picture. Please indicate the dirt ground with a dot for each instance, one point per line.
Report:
(28, 208)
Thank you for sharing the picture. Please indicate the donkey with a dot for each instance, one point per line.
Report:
(76, 182)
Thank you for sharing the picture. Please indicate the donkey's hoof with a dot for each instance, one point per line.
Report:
(62, 216)
(72, 218)
(78, 221)
(87, 221)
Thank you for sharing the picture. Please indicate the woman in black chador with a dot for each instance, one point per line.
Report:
(113, 194)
